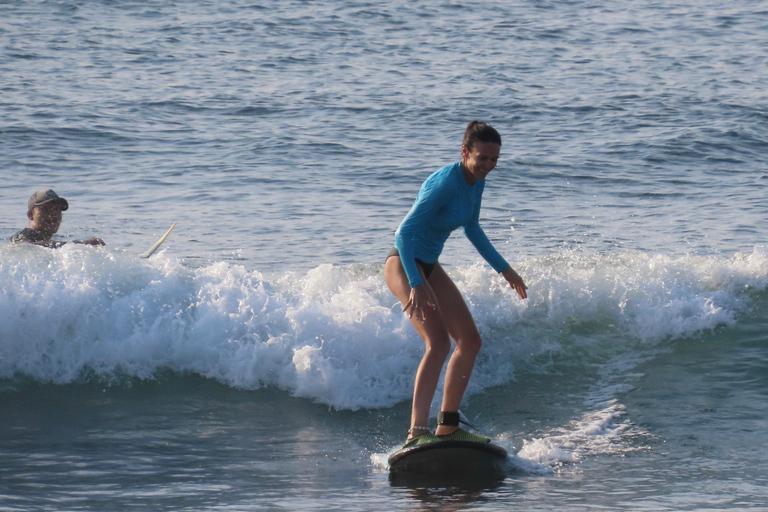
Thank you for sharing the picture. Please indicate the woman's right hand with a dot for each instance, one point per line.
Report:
(421, 300)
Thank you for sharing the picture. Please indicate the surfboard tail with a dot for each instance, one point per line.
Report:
(149, 252)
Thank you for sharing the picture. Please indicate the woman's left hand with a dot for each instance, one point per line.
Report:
(516, 282)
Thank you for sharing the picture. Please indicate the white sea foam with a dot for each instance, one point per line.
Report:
(603, 430)
(596, 432)
(335, 334)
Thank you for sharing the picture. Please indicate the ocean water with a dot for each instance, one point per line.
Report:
(259, 362)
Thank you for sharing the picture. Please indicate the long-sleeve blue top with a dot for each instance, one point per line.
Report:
(445, 202)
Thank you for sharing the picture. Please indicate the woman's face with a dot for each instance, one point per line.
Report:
(480, 160)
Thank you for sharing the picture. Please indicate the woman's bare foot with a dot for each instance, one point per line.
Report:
(415, 432)
(445, 430)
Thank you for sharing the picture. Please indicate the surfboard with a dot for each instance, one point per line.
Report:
(451, 458)
(149, 252)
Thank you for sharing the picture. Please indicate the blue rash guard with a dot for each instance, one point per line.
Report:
(445, 202)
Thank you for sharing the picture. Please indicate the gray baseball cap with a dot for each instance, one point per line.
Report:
(42, 197)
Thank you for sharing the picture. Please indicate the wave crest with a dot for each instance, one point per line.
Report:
(335, 334)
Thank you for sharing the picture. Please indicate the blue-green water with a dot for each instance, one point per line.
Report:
(259, 361)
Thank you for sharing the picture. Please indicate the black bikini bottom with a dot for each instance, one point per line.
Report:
(426, 267)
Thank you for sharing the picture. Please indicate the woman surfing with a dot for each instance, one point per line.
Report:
(450, 198)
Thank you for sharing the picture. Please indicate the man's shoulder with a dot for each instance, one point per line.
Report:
(27, 235)
(33, 236)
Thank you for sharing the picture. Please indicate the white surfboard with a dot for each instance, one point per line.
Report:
(149, 252)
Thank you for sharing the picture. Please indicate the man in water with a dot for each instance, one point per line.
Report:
(44, 212)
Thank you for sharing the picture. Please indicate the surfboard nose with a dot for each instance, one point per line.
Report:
(450, 458)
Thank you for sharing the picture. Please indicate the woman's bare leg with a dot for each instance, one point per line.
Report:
(461, 327)
(436, 338)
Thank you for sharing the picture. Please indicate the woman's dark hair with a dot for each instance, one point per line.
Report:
(480, 132)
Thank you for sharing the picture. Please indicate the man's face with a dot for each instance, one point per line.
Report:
(46, 218)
